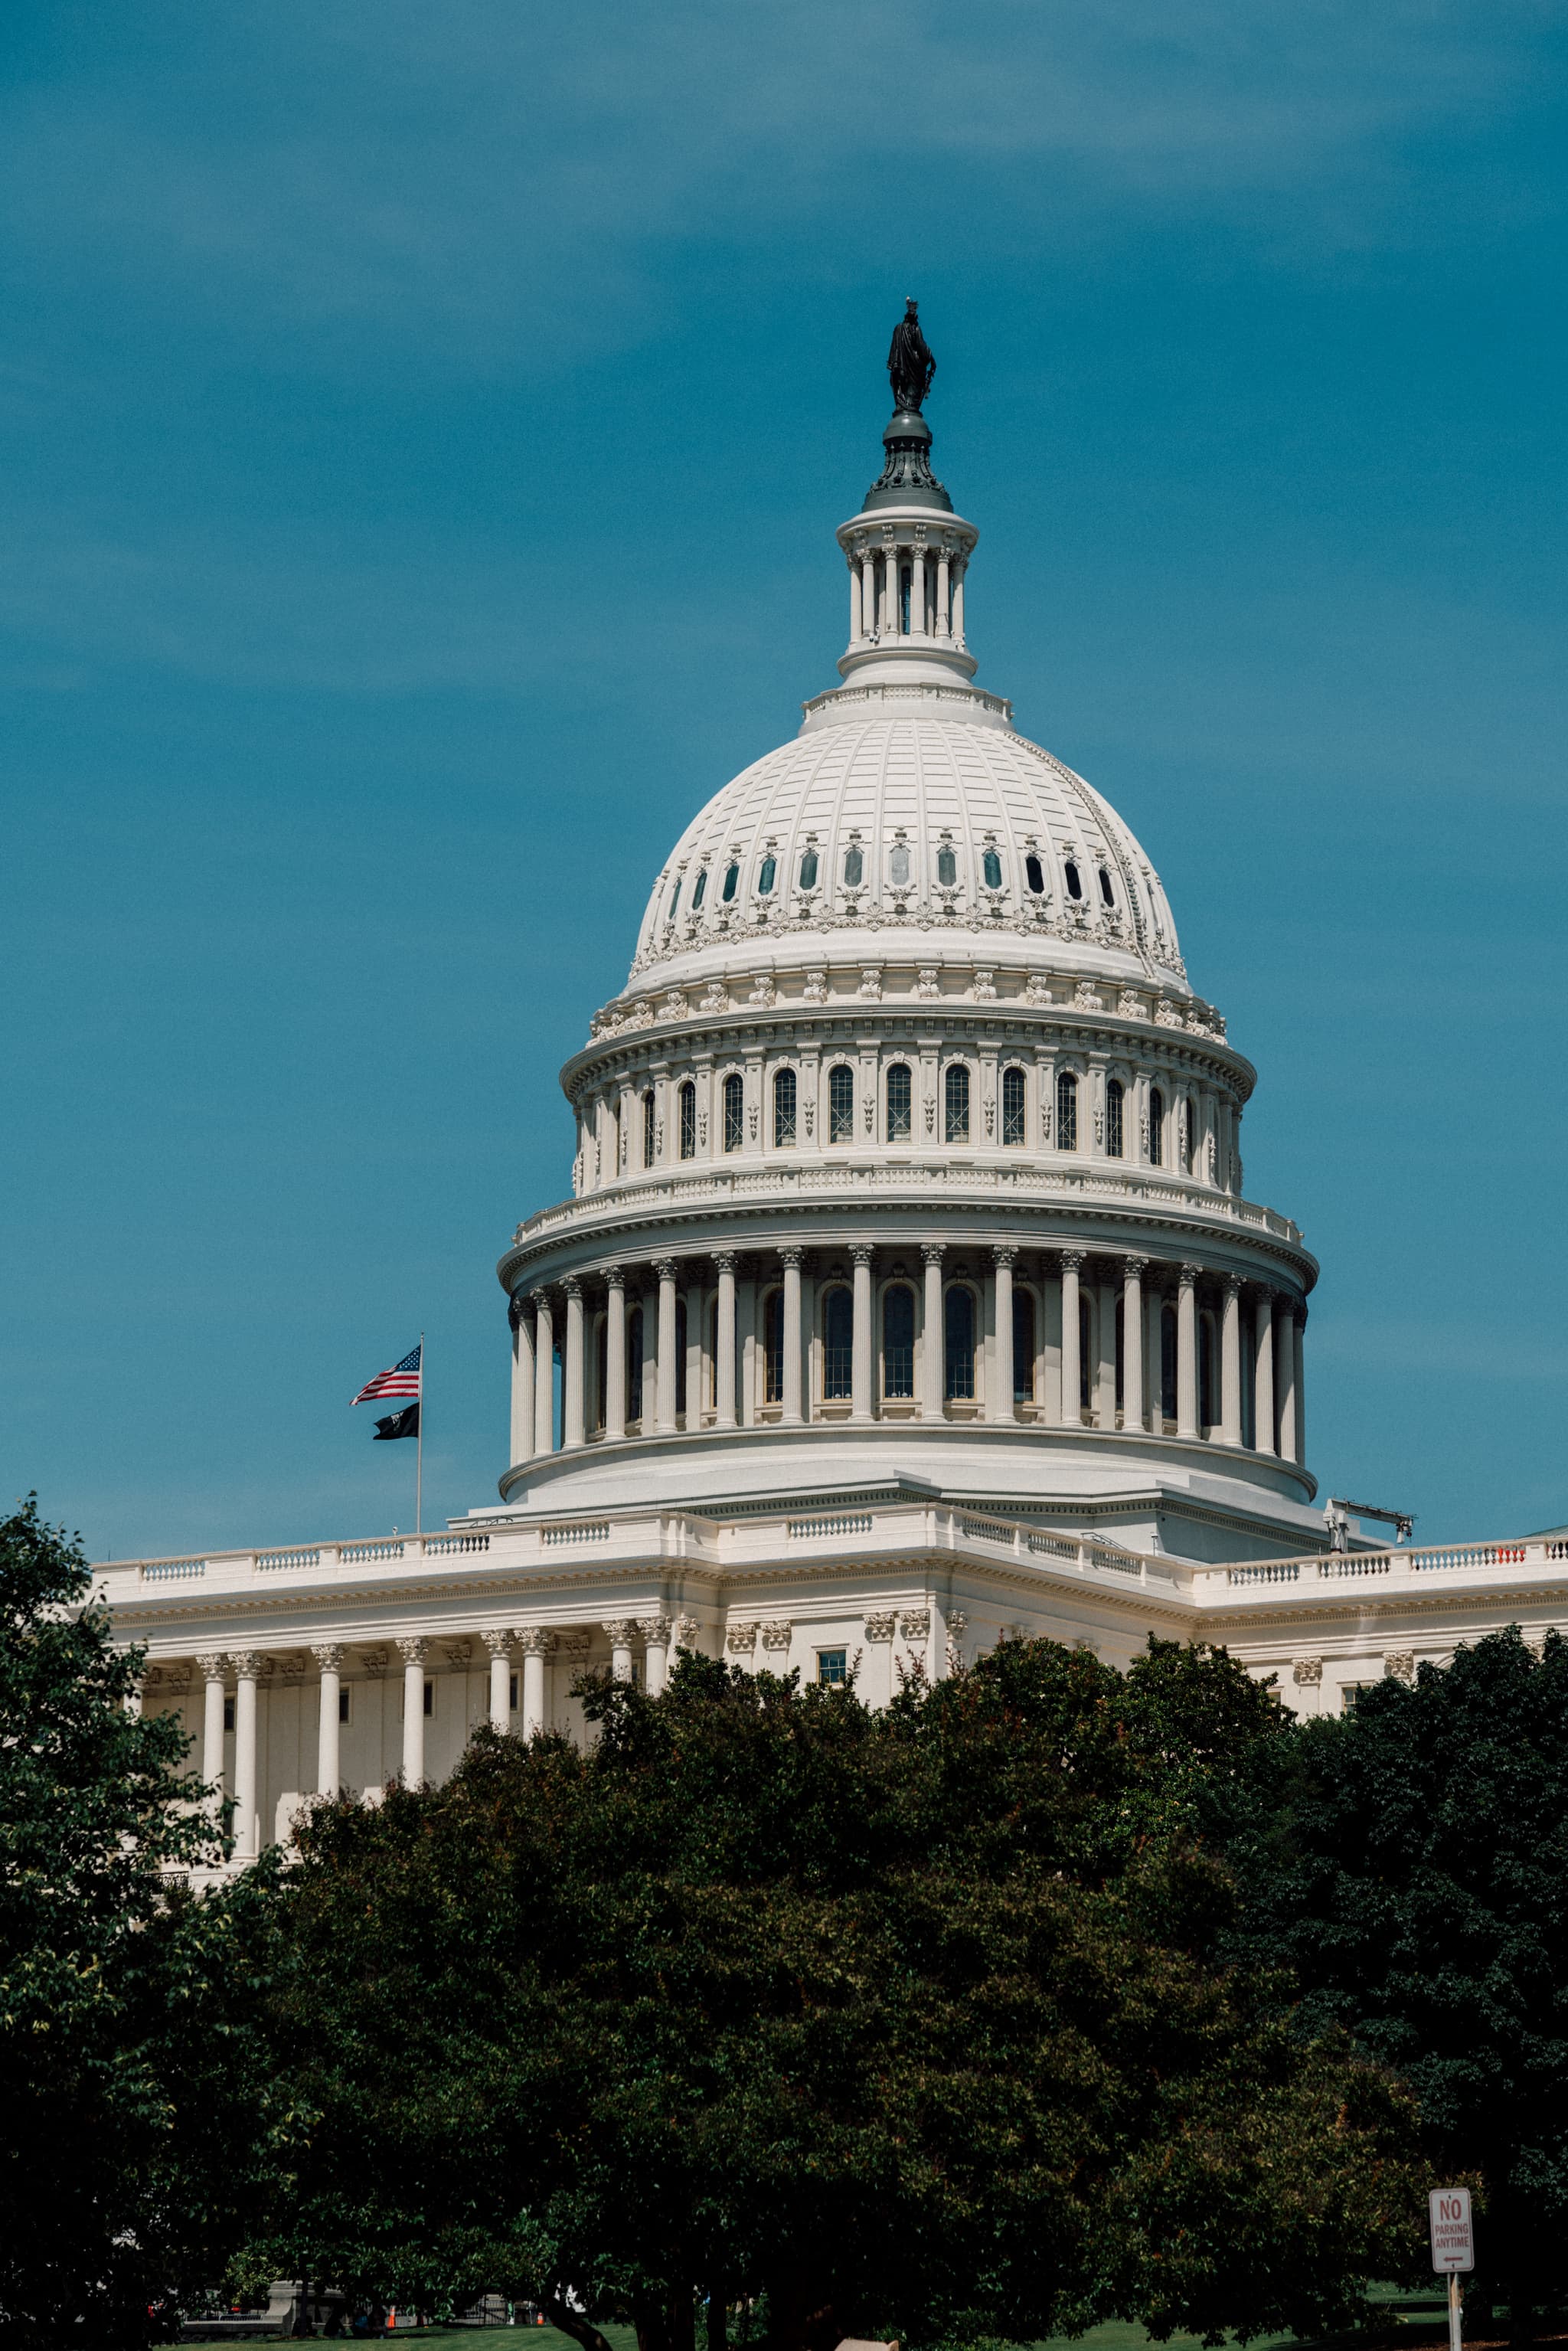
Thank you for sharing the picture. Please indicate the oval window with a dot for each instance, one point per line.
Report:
(808, 870)
(854, 866)
(676, 899)
(898, 867)
(765, 879)
(946, 869)
(1034, 874)
(1105, 890)
(1075, 886)
(731, 877)
(700, 893)
(991, 866)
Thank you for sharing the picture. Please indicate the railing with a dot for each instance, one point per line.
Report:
(448, 1546)
(1277, 1572)
(172, 1571)
(266, 1559)
(1440, 1559)
(989, 1530)
(365, 1554)
(590, 1531)
(859, 1524)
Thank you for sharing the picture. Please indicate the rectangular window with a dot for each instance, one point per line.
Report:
(734, 1114)
(343, 1706)
(512, 1693)
(832, 1668)
(228, 1714)
(841, 1103)
(688, 1121)
(1012, 1106)
(900, 1121)
(1113, 1119)
(429, 1698)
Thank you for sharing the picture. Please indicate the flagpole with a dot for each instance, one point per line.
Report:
(419, 1448)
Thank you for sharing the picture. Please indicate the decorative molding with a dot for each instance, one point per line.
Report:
(1307, 1672)
(740, 1634)
(914, 1624)
(1399, 1665)
(536, 1641)
(410, 1647)
(655, 1630)
(879, 1625)
(777, 1635)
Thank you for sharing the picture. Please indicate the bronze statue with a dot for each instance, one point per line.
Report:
(910, 366)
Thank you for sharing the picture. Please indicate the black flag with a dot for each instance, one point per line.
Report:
(398, 1424)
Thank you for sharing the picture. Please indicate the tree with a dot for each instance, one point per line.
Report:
(909, 2022)
(1424, 1908)
(137, 2131)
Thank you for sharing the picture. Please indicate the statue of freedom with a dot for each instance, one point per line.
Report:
(910, 366)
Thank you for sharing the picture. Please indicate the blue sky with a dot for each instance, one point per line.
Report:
(420, 436)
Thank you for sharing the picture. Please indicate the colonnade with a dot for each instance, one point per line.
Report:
(727, 1341)
(903, 584)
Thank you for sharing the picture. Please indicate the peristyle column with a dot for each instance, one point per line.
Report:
(1133, 1341)
(932, 1341)
(246, 1666)
(329, 1657)
(655, 1632)
(573, 1380)
(1285, 1375)
(1263, 1378)
(522, 1378)
(724, 1364)
(544, 1373)
(622, 1632)
(792, 1262)
(536, 1642)
(410, 1649)
(1071, 1365)
(1187, 1352)
(958, 602)
(1300, 1319)
(1230, 1364)
(614, 1351)
(498, 1641)
(860, 1254)
(1000, 1405)
(868, 593)
(917, 589)
(212, 1671)
(664, 1417)
(943, 622)
(854, 599)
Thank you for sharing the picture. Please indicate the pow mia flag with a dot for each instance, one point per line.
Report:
(398, 1424)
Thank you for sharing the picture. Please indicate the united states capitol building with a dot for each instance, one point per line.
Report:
(908, 1299)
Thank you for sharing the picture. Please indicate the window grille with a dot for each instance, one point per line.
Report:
(766, 875)
(841, 1103)
(900, 1099)
(1067, 1111)
(946, 868)
(1114, 1119)
(773, 1348)
(808, 870)
(1156, 1128)
(783, 1107)
(956, 1103)
(838, 1344)
(991, 866)
(688, 1121)
(1023, 1347)
(958, 1352)
(731, 879)
(733, 1112)
(854, 869)
(898, 1342)
(649, 1129)
(898, 866)
(1012, 1105)
(832, 1668)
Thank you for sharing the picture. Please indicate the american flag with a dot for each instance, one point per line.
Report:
(402, 1380)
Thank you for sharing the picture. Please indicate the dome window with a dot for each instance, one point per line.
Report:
(900, 1088)
(783, 1108)
(1012, 1104)
(898, 1342)
(733, 1112)
(838, 1345)
(700, 893)
(957, 1097)
(1105, 890)
(1074, 880)
(766, 875)
(991, 866)
(841, 1103)
(731, 878)
(855, 868)
(958, 1352)
(650, 1129)
(946, 868)
(898, 867)
(1156, 1128)
(688, 1121)
(674, 900)
(1067, 1111)
(808, 870)
(1113, 1119)
(1034, 874)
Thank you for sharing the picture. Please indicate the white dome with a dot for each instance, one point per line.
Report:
(915, 810)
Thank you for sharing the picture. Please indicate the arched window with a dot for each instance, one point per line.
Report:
(773, 1348)
(600, 1363)
(956, 1103)
(1206, 1415)
(733, 1112)
(783, 1107)
(1066, 1112)
(838, 1343)
(1168, 1362)
(731, 879)
(991, 867)
(946, 868)
(905, 580)
(1074, 884)
(1186, 1123)
(767, 875)
(1012, 1104)
(900, 1103)
(958, 1349)
(1034, 874)
(1114, 1122)
(635, 1365)
(854, 869)
(1156, 1127)
(808, 870)
(700, 893)
(1106, 892)
(841, 1103)
(1023, 1347)
(650, 1128)
(1087, 1365)
(688, 1121)
(898, 866)
(680, 1354)
(898, 1342)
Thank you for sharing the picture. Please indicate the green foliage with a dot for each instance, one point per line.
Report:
(913, 2022)
(1425, 1910)
(130, 2066)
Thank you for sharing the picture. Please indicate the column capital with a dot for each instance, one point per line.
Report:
(723, 1261)
(1073, 1259)
(933, 1251)
(541, 1298)
(410, 1647)
(1188, 1275)
(246, 1663)
(655, 1629)
(459, 1654)
(536, 1641)
(517, 1307)
(213, 1664)
(329, 1655)
(615, 1276)
(1004, 1253)
(497, 1639)
(1135, 1267)
(862, 1252)
(666, 1268)
(572, 1288)
(687, 1632)
(1232, 1285)
(791, 1255)
(373, 1663)
(1298, 1313)
(620, 1631)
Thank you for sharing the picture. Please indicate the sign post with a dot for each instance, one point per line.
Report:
(1453, 2247)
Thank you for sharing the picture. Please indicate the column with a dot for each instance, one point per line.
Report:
(522, 1379)
(573, 1371)
(855, 631)
(410, 1648)
(723, 1341)
(1000, 1405)
(246, 1666)
(622, 1631)
(536, 1643)
(544, 1374)
(664, 1415)
(889, 591)
(791, 1260)
(746, 1345)
(860, 1254)
(498, 1641)
(917, 588)
(944, 623)
(933, 1339)
(1187, 1353)
(1133, 1341)
(868, 593)
(1285, 1374)
(614, 1351)
(212, 1672)
(329, 1657)
(1300, 1321)
(959, 601)
(650, 1362)
(1230, 1362)
(697, 1374)
(655, 1632)
(1155, 1312)
(1072, 1367)
(1263, 1383)
(1105, 1342)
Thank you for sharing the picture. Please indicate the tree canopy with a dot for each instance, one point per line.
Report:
(915, 2022)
